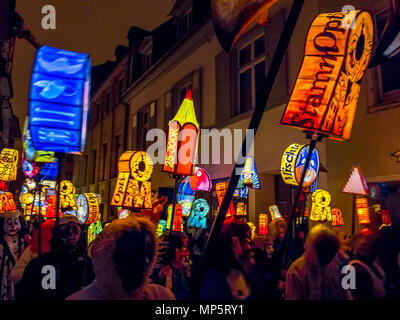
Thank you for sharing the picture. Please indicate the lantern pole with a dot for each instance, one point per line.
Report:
(315, 137)
(59, 156)
(256, 117)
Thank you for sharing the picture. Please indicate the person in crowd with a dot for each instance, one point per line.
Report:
(174, 269)
(11, 246)
(316, 274)
(265, 275)
(70, 267)
(225, 276)
(370, 277)
(31, 251)
(124, 254)
(388, 253)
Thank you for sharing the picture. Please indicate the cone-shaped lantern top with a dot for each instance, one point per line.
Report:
(186, 112)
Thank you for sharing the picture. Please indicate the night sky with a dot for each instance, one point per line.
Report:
(89, 26)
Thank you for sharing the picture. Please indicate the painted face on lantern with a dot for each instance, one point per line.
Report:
(12, 224)
(312, 170)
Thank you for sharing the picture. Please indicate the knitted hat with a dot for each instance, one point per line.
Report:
(68, 218)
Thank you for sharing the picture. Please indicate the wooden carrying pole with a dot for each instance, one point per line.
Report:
(255, 121)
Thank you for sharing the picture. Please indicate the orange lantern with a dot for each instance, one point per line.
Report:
(241, 209)
(326, 92)
(177, 224)
(7, 202)
(262, 224)
(51, 199)
(133, 188)
(182, 142)
(220, 189)
(337, 219)
(8, 164)
(362, 210)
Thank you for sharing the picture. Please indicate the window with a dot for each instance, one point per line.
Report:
(121, 86)
(93, 171)
(143, 118)
(251, 73)
(108, 103)
(146, 52)
(184, 24)
(387, 82)
(182, 90)
(103, 168)
(116, 153)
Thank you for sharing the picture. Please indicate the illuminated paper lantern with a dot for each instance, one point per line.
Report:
(337, 219)
(7, 202)
(177, 224)
(362, 210)
(30, 169)
(263, 224)
(326, 92)
(49, 171)
(275, 214)
(242, 193)
(241, 209)
(182, 141)
(185, 198)
(252, 229)
(161, 227)
(201, 180)
(67, 196)
(198, 216)
(59, 100)
(88, 208)
(30, 152)
(123, 213)
(321, 209)
(133, 188)
(93, 231)
(232, 18)
(385, 217)
(292, 166)
(356, 183)
(249, 176)
(51, 199)
(8, 164)
(220, 190)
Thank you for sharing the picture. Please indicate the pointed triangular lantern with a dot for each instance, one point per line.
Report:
(249, 176)
(356, 183)
(183, 133)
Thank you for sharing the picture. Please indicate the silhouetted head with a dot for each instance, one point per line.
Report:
(322, 245)
(365, 244)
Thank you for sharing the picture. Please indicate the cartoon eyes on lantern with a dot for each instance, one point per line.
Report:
(141, 166)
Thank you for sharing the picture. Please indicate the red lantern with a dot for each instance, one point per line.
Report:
(362, 211)
(51, 199)
(183, 133)
(262, 224)
(220, 189)
(337, 219)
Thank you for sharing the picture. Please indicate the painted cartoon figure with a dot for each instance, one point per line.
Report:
(198, 217)
(11, 247)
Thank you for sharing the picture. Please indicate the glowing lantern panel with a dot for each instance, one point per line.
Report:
(182, 141)
(263, 224)
(88, 208)
(177, 224)
(198, 216)
(51, 199)
(94, 230)
(7, 202)
(67, 196)
(8, 164)
(220, 189)
(201, 180)
(362, 211)
(337, 219)
(241, 209)
(185, 198)
(249, 176)
(59, 100)
(321, 209)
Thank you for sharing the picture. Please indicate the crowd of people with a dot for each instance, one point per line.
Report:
(127, 260)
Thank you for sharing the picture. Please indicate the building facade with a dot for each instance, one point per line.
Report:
(161, 65)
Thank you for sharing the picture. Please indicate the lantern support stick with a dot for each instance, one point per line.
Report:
(59, 156)
(315, 137)
(254, 124)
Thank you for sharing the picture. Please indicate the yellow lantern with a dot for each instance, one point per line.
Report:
(7, 202)
(133, 188)
(8, 164)
(321, 210)
(67, 196)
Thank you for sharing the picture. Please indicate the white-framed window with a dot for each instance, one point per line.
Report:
(386, 82)
(185, 24)
(251, 72)
(146, 52)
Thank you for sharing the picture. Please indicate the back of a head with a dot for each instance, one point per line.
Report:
(322, 245)
(125, 250)
(365, 244)
(46, 231)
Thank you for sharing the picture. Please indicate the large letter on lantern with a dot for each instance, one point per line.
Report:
(337, 219)
(262, 224)
(321, 210)
(8, 164)
(182, 142)
(326, 92)
(362, 210)
(59, 100)
(198, 216)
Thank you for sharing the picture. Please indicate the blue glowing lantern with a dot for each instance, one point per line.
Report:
(198, 217)
(59, 100)
(185, 197)
(49, 171)
(249, 176)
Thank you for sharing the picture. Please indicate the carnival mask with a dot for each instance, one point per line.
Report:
(12, 224)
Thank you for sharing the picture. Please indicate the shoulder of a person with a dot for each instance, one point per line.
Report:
(298, 265)
(153, 291)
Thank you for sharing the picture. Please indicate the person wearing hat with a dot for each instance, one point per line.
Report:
(63, 270)
(11, 247)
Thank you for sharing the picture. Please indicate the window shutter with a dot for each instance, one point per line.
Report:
(222, 79)
(196, 93)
